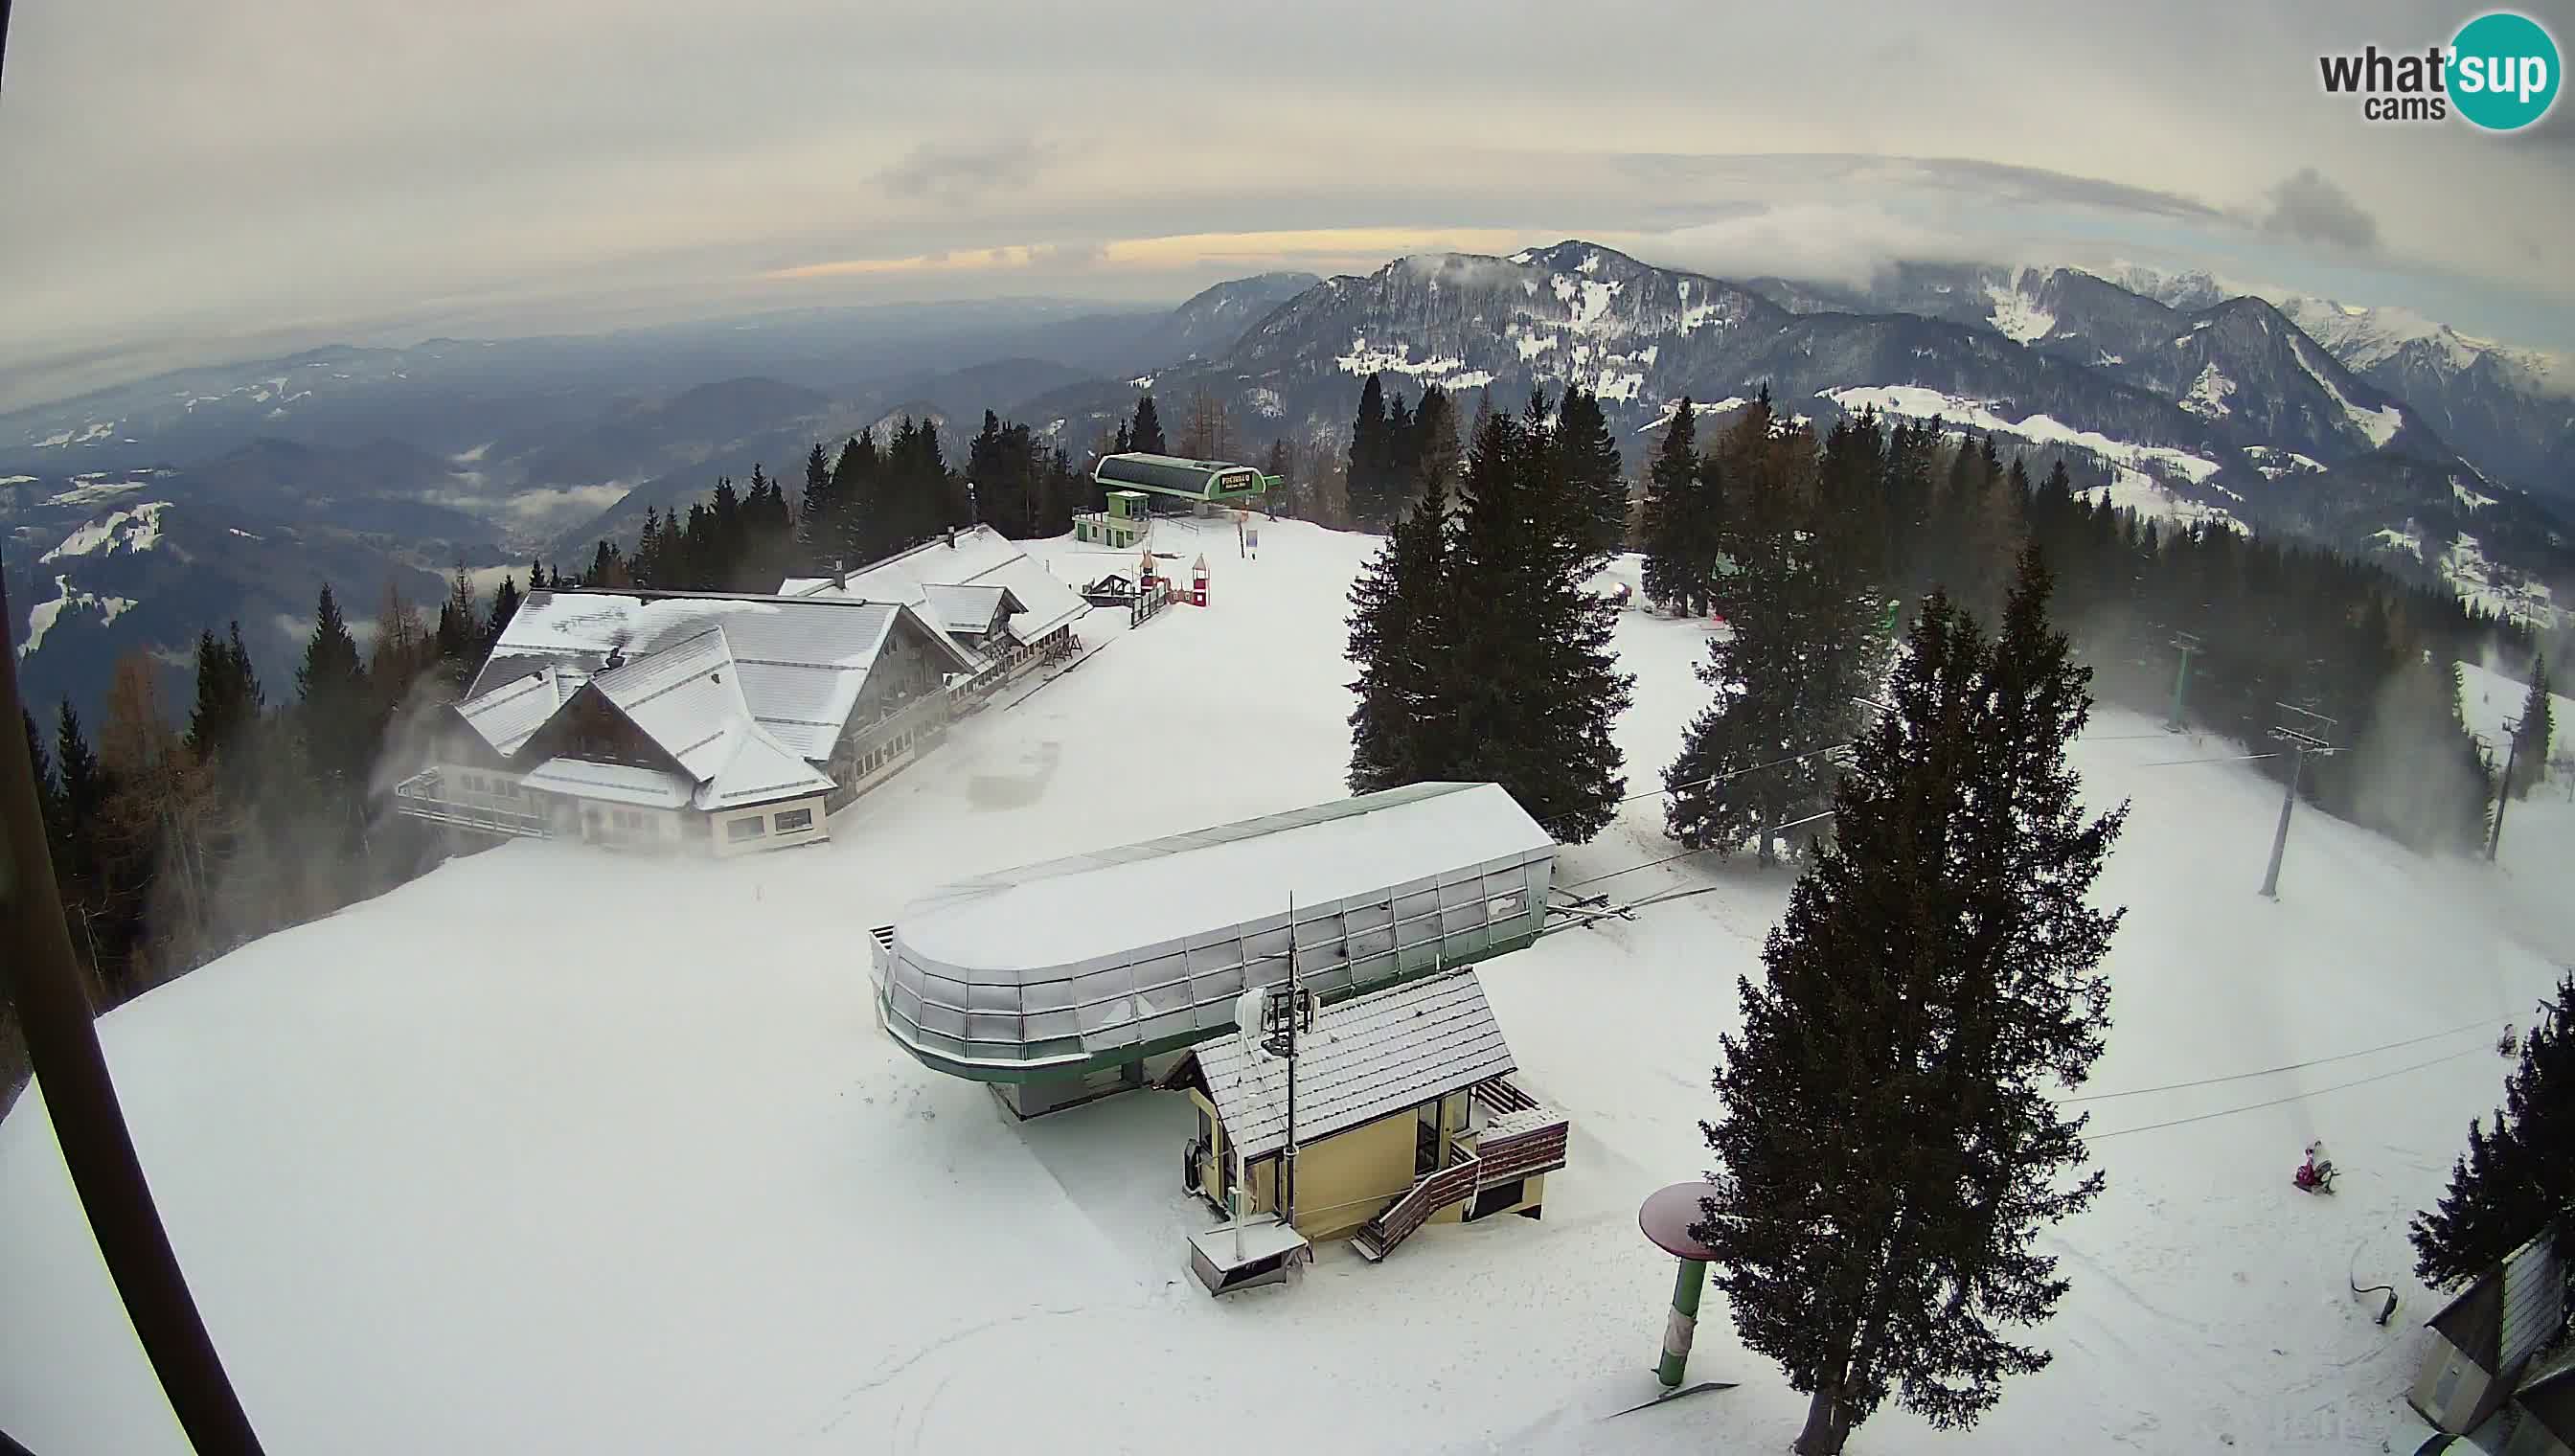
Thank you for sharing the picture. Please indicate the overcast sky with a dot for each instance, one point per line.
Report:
(185, 180)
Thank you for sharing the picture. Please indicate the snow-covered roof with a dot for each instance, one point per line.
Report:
(1366, 1058)
(800, 662)
(1064, 911)
(611, 782)
(976, 557)
(969, 607)
(689, 700)
(508, 714)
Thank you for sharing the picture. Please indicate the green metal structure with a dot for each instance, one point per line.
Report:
(1198, 482)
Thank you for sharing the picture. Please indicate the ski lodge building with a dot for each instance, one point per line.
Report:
(652, 720)
(1001, 606)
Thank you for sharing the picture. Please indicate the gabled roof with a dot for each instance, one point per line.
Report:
(2511, 1312)
(610, 782)
(687, 698)
(798, 663)
(969, 608)
(1366, 1058)
(976, 557)
(512, 712)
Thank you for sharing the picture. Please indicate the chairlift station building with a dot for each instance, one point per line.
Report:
(1056, 982)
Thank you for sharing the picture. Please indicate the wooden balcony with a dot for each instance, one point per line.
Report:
(1520, 1139)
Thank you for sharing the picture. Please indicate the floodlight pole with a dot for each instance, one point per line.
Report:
(43, 982)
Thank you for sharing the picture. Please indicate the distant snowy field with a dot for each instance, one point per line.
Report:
(558, 1151)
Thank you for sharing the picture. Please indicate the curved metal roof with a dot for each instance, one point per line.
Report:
(1100, 959)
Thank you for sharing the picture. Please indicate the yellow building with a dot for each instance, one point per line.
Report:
(1405, 1116)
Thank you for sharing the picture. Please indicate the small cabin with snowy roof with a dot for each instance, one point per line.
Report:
(1405, 1115)
(1000, 605)
(725, 722)
(2484, 1340)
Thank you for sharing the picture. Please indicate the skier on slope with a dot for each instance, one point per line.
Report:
(2316, 1175)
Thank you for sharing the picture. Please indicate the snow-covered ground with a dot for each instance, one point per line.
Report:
(555, 1150)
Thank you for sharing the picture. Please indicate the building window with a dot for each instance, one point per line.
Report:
(795, 818)
(473, 782)
(747, 827)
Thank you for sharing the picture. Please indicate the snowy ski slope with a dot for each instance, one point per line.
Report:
(558, 1151)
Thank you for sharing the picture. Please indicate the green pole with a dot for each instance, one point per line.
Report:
(2182, 684)
(1684, 1321)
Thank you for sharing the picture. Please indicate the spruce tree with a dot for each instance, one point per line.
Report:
(339, 718)
(815, 512)
(1800, 650)
(228, 696)
(1682, 517)
(505, 604)
(1592, 467)
(1147, 435)
(1891, 1144)
(1533, 680)
(1370, 449)
(2536, 734)
(1402, 638)
(1436, 445)
(2515, 1179)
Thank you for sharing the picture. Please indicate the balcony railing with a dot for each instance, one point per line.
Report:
(425, 796)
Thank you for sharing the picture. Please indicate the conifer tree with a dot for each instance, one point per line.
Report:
(1436, 447)
(1370, 449)
(228, 696)
(1401, 637)
(2536, 734)
(338, 717)
(1147, 435)
(1534, 679)
(816, 512)
(1681, 518)
(1592, 467)
(1890, 1144)
(505, 604)
(2514, 1180)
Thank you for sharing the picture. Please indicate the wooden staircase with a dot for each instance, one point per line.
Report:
(1455, 1183)
(1522, 1139)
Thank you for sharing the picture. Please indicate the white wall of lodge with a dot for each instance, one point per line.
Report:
(768, 827)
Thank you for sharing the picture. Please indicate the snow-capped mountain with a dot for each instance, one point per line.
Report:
(2238, 363)
(1212, 320)
(2510, 410)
